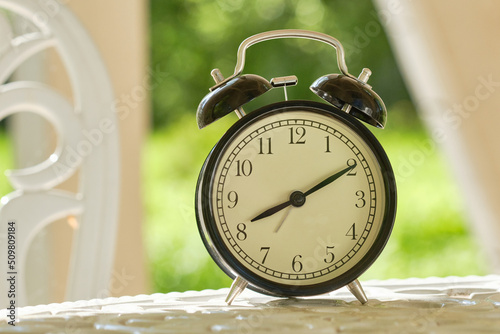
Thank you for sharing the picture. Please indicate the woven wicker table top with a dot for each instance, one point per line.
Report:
(431, 305)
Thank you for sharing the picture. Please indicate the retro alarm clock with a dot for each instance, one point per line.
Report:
(297, 198)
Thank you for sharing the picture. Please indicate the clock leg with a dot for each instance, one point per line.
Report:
(239, 284)
(357, 290)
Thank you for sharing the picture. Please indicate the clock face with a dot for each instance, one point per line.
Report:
(298, 200)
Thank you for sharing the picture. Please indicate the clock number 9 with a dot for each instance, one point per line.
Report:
(232, 197)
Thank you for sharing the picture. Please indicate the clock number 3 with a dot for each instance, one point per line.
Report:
(361, 199)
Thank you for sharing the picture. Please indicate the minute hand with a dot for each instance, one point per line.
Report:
(329, 180)
(320, 185)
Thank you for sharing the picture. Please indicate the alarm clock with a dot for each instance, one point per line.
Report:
(297, 198)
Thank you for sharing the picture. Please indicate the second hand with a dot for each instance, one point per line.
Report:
(283, 220)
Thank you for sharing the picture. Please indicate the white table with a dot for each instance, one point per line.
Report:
(431, 305)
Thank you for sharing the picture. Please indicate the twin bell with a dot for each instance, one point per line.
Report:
(344, 91)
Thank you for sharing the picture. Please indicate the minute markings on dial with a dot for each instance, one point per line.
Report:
(297, 198)
(227, 232)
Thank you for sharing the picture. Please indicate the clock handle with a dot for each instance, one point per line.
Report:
(287, 33)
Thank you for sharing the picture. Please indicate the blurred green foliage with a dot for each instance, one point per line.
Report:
(430, 236)
(6, 160)
(191, 37)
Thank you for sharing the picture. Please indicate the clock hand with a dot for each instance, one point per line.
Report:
(272, 210)
(298, 198)
(283, 220)
(329, 180)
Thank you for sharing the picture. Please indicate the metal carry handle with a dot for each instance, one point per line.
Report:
(287, 33)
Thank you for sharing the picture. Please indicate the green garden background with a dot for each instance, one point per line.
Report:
(188, 38)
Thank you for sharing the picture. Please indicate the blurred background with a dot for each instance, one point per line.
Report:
(188, 38)
(175, 44)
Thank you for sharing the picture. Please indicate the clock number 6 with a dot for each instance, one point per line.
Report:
(296, 264)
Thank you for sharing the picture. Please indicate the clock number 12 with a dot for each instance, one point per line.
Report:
(297, 135)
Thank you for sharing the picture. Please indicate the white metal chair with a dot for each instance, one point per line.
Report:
(87, 143)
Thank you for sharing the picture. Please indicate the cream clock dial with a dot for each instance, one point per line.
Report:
(296, 199)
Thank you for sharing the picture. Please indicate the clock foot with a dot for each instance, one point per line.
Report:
(239, 284)
(357, 290)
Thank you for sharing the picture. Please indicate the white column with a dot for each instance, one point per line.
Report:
(449, 53)
(119, 29)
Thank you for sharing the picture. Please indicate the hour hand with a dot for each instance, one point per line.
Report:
(272, 210)
(298, 198)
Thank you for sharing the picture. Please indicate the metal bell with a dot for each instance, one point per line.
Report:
(353, 96)
(230, 96)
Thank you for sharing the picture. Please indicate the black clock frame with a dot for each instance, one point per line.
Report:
(232, 266)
